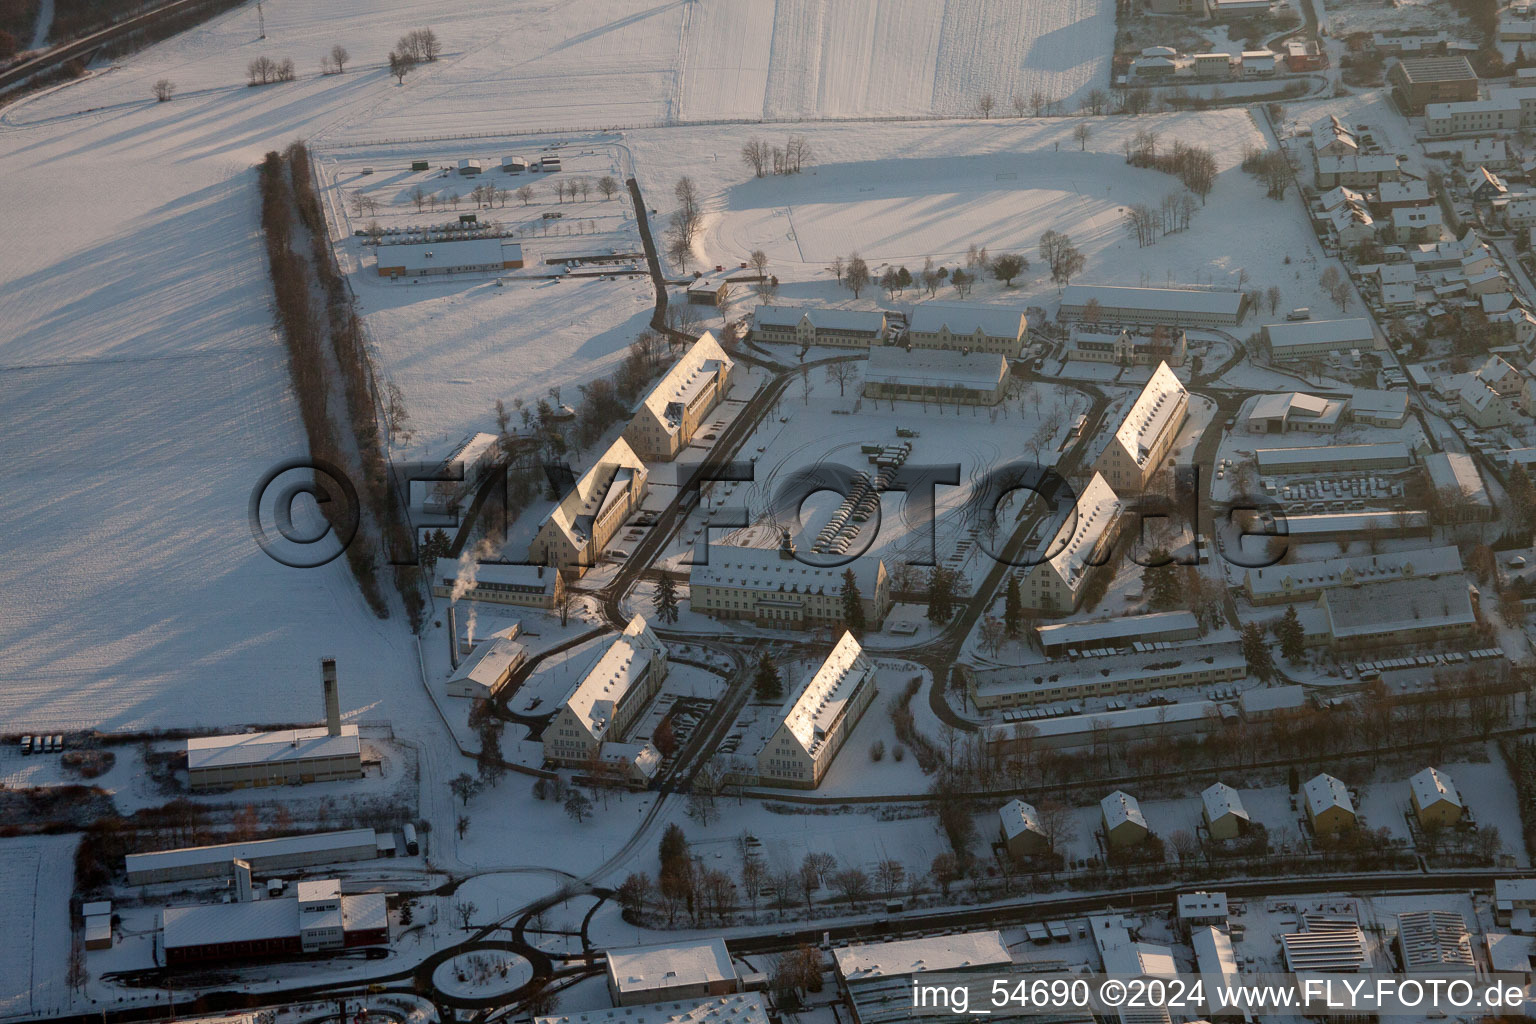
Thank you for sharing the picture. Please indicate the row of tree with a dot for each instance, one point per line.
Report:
(763, 157)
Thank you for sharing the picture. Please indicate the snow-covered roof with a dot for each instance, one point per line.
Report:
(1323, 791)
(607, 482)
(256, 850)
(270, 747)
(1457, 472)
(1331, 130)
(1321, 458)
(317, 890)
(770, 569)
(1154, 412)
(1338, 947)
(489, 661)
(870, 321)
(966, 319)
(686, 963)
(1411, 190)
(703, 365)
(620, 667)
(1340, 195)
(533, 579)
(1435, 941)
(736, 1008)
(450, 254)
(1081, 533)
(1097, 630)
(1120, 807)
(822, 696)
(1267, 699)
(1018, 817)
(978, 371)
(1216, 961)
(1064, 727)
(1164, 300)
(1410, 217)
(1350, 332)
(1200, 903)
(1375, 402)
(966, 950)
(1335, 572)
(1220, 800)
(1361, 163)
(209, 923)
(1332, 524)
(1431, 786)
(1402, 605)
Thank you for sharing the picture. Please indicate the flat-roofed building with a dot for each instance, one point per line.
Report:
(1161, 722)
(1310, 339)
(1499, 112)
(1145, 436)
(965, 953)
(1222, 808)
(1377, 408)
(935, 375)
(821, 714)
(1020, 830)
(1325, 946)
(1435, 942)
(969, 327)
(313, 921)
(1122, 632)
(1514, 899)
(1306, 581)
(1217, 963)
(488, 668)
(1122, 956)
(690, 969)
(529, 586)
(576, 531)
(1400, 613)
(736, 1008)
(808, 325)
(1435, 799)
(288, 853)
(1326, 527)
(1200, 909)
(1420, 81)
(1172, 307)
(1191, 665)
(1334, 458)
(1124, 824)
(463, 256)
(772, 587)
(283, 758)
(1461, 496)
(672, 411)
(1080, 545)
(1128, 348)
(1263, 703)
(1329, 807)
(609, 698)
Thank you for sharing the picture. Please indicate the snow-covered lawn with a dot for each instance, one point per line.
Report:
(35, 888)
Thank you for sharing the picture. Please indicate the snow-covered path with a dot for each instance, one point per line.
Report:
(43, 26)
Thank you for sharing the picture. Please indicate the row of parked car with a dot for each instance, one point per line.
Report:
(42, 744)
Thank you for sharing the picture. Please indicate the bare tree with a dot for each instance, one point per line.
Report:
(163, 90)
(400, 65)
(853, 884)
(755, 154)
(525, 193)
(608, 185)
(465, 910)
(339, 58)
(1081, 132)
(856, 274)
(1272, 296)
(985, 104)
(1020, 105)
(842, 373)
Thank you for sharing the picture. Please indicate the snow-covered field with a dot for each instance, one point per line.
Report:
(34, 945)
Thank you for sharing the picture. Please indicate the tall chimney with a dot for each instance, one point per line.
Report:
(332, 700)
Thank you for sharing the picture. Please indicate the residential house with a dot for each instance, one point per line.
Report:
(822, 712)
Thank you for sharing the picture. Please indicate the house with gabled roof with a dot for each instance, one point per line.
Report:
(1145, 435)
(819, 716)
(574, 533)
(672, 411)
(608, 700)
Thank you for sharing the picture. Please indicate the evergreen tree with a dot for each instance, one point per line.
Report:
(1261, 662)
(853, 603)
(666, 599)
(941, 595)
(766, 684)
(1160, 583)
(1291, 635)
(1013, 608)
